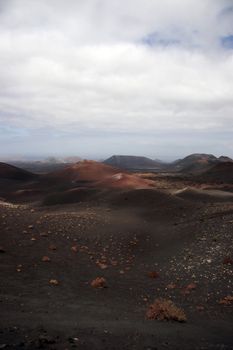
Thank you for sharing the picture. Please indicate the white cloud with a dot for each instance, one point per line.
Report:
(82, 65)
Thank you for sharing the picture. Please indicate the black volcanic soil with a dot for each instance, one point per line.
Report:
(220, 173)
(11, 172)
(127, 237)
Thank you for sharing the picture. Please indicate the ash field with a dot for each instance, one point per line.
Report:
(101, 256)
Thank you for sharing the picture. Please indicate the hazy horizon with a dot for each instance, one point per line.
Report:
(94, 78)
(32, 158)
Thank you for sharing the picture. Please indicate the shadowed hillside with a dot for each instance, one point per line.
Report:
(219, 173)
(194, 163)
(11, 172)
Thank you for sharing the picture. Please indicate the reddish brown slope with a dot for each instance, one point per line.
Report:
(99, 175)
(86, 170)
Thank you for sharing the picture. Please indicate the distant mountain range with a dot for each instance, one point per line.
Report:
(197, 162)
(133, 162)
(193, 163)
(45, 165)
(203, 167)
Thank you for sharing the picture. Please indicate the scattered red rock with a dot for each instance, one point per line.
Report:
(99, 282)
(189, 288)
(101, 265)
(171, 286)
(164, 309)
(227, 261)
(52, 247)
(45, 259)
(54, 282)
(74, 249)
(153, 274)
(228, 300)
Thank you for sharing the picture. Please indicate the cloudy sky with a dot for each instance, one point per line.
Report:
(100, 77)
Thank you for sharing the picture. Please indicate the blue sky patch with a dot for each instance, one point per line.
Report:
(227, 41)
(154, 39)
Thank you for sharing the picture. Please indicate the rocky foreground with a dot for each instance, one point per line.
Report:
(93, 257)
(87, 276)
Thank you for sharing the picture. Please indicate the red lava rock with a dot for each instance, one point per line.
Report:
(227, 261)
(191, 286)
(153, 274)
(45, 259)
(187, 290)
(99, 282)
(54, 282)
(228, 300)
(52, 247)
(74, 249)
(164, 309)
(171, 286)
(101, 265)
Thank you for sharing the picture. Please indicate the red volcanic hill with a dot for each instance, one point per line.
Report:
(196, 162)
(11, 172)
(95, 174)
(125, 181)
(220, 173)
(84, 171)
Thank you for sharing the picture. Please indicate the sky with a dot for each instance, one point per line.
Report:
(93, 78)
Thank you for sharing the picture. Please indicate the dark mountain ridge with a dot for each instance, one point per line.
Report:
(220, 173)
(133, 162)
(197, 163)
(11, 172)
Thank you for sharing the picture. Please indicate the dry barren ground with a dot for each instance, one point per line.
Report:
(177, 250)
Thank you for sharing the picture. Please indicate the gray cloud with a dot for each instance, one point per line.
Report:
(85, 68)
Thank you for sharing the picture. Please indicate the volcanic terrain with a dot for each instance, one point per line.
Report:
(96, 257)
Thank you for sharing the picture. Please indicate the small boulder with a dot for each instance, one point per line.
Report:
(54, 282)
(45, 259)
(99, 282)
